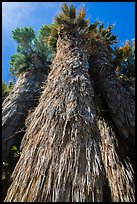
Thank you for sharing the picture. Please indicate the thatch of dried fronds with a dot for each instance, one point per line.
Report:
(119, 169)
(119, 166)
(60, 159)
(118, 99)
(15, 107)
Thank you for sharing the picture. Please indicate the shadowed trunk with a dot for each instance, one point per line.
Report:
(120, 103)
(15, 107)
(119, 172)
(119, 167)
(60, 159)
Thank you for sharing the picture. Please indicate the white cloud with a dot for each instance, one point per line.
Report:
(13, 13)
(16, 14)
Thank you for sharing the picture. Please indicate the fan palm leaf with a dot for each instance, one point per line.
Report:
(72, 12)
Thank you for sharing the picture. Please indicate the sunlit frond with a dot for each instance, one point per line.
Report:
(72, 12)
(82, 13)
(65, 9)
(93, 26)
(101, 26)
(113, 39)
(58, 20)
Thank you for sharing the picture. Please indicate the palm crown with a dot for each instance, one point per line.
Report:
(69, 19)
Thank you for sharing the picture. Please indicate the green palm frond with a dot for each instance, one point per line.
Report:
(54, 32)
(101, 26)
(49, 34)
(44, 31)
(104, 32)
(110, 27)
(68, 12)
(93, 26)
(58, 20)
(113, 39)
(72, 12)
(62, 19)
(96, 31)
(108, 34)
(68, 17)
(80, 23)
(65, 9)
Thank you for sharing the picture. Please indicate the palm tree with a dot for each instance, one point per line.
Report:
(26, 91)
(124, 62)
(60, 158)
(119, 172)
(120, 102)
(118, 165)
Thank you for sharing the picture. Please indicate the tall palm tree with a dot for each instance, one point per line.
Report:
(120, 103)
(61, 159)
(26, 90)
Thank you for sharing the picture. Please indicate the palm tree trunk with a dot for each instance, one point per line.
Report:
(60, 159)
(120, 103)
(119, 168)
(119, 172)
(15, 107)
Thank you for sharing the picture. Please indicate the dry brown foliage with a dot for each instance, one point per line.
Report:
(15, 107)
(121, 104)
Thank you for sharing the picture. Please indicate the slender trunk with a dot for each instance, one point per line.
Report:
(121, 104)
(15, 107)
(60, 159)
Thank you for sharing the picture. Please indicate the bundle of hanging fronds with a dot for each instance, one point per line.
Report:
(15, 107)
(119, 169)
(118, 99)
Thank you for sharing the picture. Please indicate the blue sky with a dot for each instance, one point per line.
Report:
(36, 14)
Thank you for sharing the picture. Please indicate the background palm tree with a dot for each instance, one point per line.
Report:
(119, 172)
(124, 62)
(119, 167)
(31, 73)
(120, 102)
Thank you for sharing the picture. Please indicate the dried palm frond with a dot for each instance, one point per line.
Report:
(114, 94)
(120, 173)
(119, 167)
(81, 13)
(16, 106)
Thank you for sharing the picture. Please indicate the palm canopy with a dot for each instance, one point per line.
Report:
(70, 20)
(124, 63)
(124, 59)
(29, 46)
